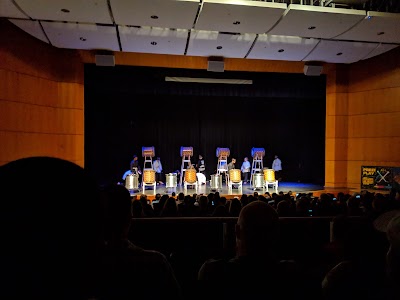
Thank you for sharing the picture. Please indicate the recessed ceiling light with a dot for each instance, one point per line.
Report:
(219, 47)
(236, 23)
(64, 10)
(311, 27)
(154, 17)
(153, 43)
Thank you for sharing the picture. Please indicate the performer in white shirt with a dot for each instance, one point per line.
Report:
(245, 168)
(277, 166)
(157, 166)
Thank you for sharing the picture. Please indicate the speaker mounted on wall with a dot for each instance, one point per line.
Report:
(216, 64)
(105, 59)
(312, 68)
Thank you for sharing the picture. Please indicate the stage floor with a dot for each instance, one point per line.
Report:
(285, 187)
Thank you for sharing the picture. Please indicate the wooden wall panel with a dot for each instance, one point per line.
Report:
(41, 99)
(370, 104)
(376, 101)
(374, 114)
(336, 174)
(354, 174)
(70, 95)
(377, 73)
(375, 125)
(39, 144)
(336, 104)
(336, 149)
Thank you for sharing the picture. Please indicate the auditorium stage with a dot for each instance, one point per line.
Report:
(294, 187)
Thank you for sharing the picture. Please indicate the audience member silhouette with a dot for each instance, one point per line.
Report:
(393, 256)
(148, 210)
(51, 230)
(235, 207)
(170, 208)
(255, 272)
(129, 270)
(360, 273)
(137, 209)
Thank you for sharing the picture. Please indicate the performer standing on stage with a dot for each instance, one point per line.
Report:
(157, 166)
(135, 167)
(201, 165)
(277, 166)
(245, 168)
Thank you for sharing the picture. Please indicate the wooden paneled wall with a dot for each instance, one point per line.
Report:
(363, 118)
(42, 103)
(373, 114)
(41, 99)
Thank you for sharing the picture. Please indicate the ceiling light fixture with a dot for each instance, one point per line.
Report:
(208, 80)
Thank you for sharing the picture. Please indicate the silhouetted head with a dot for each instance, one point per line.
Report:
(51, 217)
(257, 229)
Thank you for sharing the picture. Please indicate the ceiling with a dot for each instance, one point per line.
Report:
(305, 30)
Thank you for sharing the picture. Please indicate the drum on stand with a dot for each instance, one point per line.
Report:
(216, 182)
(132, 181)
(258, 180)
(171, 180)
(235, 175)
(269, 175)
(190, 176)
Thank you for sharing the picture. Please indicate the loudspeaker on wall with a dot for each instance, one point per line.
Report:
(312, 70)
(216, 66)
(105, 60)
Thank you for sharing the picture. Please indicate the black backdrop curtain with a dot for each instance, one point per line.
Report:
(127, 108)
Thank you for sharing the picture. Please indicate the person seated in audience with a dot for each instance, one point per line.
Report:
(393, 256)
(148, 210)
(360, 256)
(235, 207)
(51, 230)
(129, 271)
(170, 208)
(256, 271)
